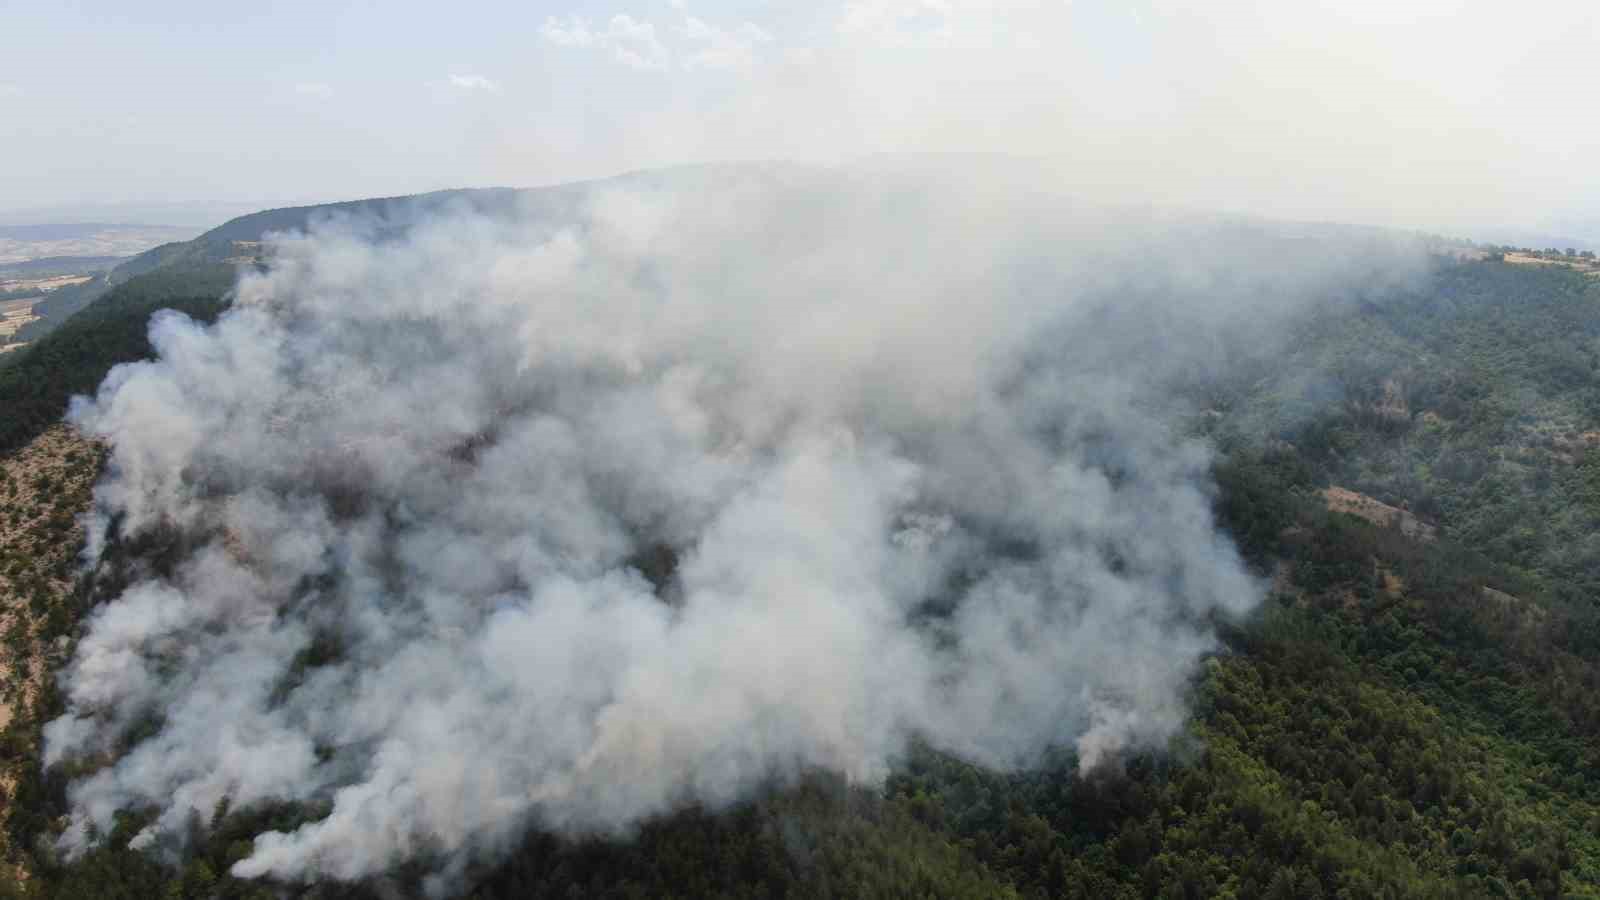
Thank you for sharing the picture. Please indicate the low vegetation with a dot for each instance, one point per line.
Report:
(44, 488)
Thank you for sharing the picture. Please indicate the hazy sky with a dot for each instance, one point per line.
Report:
(1457, 113)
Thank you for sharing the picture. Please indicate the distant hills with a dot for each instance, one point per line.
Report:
(206, 265)
(215, 254)
(219, 245)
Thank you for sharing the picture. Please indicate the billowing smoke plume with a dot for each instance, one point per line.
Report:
(499, 522)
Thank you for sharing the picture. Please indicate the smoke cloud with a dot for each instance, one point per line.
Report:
(521, 520)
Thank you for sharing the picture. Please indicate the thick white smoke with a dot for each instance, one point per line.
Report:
(889, 478)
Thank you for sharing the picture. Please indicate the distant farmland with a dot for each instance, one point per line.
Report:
(21, 243)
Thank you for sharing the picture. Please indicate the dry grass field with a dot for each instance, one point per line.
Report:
(1378, 513)
(1586, 266)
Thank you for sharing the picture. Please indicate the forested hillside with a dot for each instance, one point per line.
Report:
(1410, 715)
(37, 382)
(205, 265)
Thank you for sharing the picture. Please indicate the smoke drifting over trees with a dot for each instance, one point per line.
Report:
(504, 521)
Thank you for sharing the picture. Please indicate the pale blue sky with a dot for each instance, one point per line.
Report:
(1411, 112)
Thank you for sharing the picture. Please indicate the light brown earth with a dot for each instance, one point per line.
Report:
(1393, 585)
(1394, 405)
(14, 314)
(245, 253)
(1570, 447)
(1586, 266)
(1381, 514)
